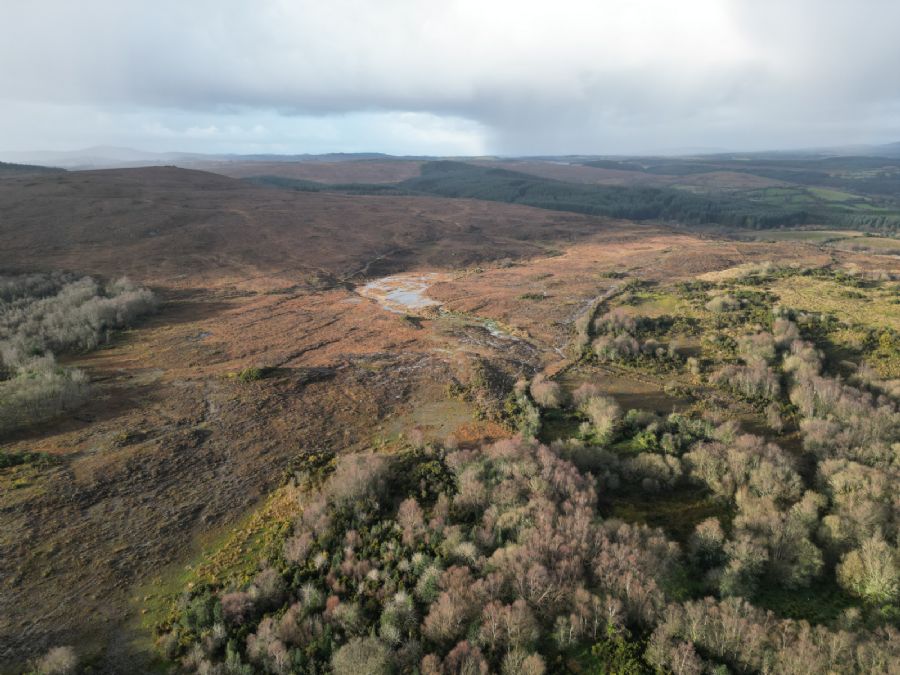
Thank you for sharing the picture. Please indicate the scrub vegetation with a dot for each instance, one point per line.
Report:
(44, 315)
(636, 541)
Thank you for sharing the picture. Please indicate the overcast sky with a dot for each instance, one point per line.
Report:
(448, 76)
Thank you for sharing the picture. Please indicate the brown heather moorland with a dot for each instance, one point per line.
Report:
(262, 352)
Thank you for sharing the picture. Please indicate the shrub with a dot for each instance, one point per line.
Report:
(523, 415)
(40, 314)
(706, 544)
(616, 322)
(693, 365)
(604, 413)
(612, 348)
(755, 381)
(57, 661)
(546, 393)
(723, 303)
(8, 459)
(362, 655)
(871, 572)
(79, 316)
(253, 373)
(40, 391)
(584, 392)
(773, 417)
(785, 333)
(654, 470)
(759, 346)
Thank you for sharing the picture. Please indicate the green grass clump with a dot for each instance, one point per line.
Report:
(254, 373)
(11, 459)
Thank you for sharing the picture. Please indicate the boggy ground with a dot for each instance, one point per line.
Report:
(174, 449)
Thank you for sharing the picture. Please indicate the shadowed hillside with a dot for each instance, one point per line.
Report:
(165, 223)
(347, 171)
(7, 168)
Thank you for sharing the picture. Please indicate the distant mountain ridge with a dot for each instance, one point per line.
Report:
(7, 168)
(113, 157)
(110, 157)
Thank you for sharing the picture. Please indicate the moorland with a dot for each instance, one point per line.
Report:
(416, 415)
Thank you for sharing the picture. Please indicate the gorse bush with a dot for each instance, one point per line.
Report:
(46, 314)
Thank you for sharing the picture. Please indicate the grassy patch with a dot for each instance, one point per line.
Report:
(11, 459)
(230, 556)
(884, 245)
(557, 423)
(811, 236)
(533, 296)
(822, 602)
(677, 512)
(253, 373)
(654, 304)
(832, 195)
(823, 295)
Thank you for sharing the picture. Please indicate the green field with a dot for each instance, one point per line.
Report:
(876, 309)
(882, 245)
(832, 195)
(812, 236)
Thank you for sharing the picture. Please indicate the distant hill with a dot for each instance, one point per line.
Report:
(391, 170)
(98, 157)
(457, 179)
(112, 157)
(9, 168)
(238, 165)
(705, 192)
(889, 150)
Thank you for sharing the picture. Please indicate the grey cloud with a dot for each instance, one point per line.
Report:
(567, 76)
